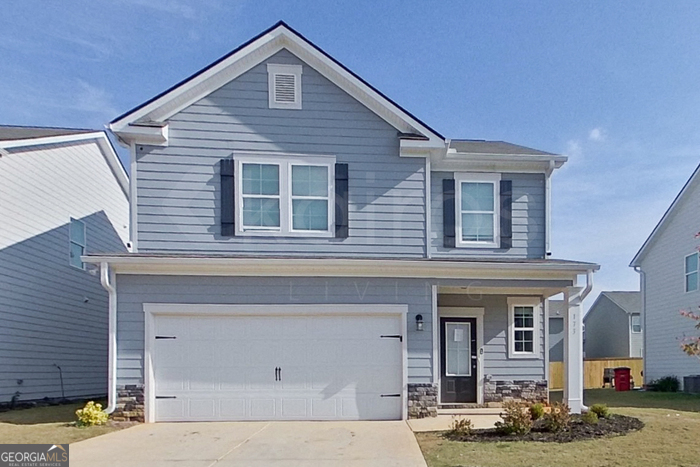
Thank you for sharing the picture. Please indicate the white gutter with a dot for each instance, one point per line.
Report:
(107, 280)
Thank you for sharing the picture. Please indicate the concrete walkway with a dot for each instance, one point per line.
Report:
(481, 418)
(255, 444)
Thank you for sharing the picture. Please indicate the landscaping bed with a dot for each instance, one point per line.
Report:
(577, 430)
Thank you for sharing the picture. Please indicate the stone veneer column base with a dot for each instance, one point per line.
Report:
(422, 400)
(130, 406)
(519, 390)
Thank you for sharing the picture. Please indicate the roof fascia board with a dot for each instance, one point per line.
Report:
(19, 143)
(114, 163)
(524, 164)
(202, 84)
(334, 267)
(636, 261)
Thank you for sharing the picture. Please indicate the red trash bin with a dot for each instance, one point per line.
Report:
(623, 379)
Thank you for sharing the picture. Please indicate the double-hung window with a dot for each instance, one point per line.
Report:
(636, 323)
(691, 272)
(77, 243)
(477, 215)
(523, 327)
(285, 195)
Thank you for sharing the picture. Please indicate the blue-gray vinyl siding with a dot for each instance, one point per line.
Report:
(54, 314)
(528, 219)
(497, 365)
(179, 190)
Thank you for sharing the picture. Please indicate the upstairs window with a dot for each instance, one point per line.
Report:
(477, 216)
(691, 273)
(290, 196)
(76, 243)
(636, 322)
(284, 86)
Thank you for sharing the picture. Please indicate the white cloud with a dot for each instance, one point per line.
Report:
(597, 134)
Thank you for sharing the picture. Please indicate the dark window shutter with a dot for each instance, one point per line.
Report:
(228, 227)
(506, 214)
(448, 212)
(341, 201)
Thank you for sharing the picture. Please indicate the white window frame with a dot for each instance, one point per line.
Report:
(72, 241)
(632, 315)
(536, 304)
(285, 163)
(278, 69)
(493, 178)
(686, 273)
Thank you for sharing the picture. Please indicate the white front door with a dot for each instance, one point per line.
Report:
(277, 367)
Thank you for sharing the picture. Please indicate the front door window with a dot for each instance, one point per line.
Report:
(458, 346)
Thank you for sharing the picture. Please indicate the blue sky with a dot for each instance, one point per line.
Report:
(614, 85)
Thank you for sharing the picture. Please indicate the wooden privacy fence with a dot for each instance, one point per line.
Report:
(593, 371)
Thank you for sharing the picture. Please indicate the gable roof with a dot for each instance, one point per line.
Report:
(480, 146)
(628, 301)
(13, 132)
(682, 196)
(278, 37)
(15, 137)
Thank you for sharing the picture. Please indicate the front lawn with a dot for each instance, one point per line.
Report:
(669, 438)
(46, 425)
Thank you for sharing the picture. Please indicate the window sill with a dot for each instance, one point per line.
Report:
(278, 234)
(524, 356)
(475, 245)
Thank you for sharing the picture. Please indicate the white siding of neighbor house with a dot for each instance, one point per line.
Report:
(51, 312)
(528, 219)
(179, 189)
(664, 291)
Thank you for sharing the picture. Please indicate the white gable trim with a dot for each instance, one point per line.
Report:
(100, 137)
(281, 37)
(636, 261)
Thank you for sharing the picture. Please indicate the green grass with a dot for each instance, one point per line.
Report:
(669, 438)
(46, 425)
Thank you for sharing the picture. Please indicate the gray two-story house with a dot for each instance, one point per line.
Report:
(305, 248)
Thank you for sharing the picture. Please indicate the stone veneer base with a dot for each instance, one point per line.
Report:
(422, 400)
(519, 390)
(130, 406)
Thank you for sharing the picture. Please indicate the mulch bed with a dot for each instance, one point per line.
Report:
(578, 430)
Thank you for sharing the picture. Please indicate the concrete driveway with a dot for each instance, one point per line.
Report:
(331, 444)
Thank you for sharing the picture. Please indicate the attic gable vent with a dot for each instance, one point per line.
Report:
(284, 86)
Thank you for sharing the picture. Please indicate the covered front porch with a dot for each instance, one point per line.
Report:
(490, 343)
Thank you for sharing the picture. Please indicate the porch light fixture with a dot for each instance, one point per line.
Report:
(419, 322)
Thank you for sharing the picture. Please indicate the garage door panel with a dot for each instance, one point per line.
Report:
(332, 367)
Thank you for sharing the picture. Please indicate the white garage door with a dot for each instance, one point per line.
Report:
(276, 368)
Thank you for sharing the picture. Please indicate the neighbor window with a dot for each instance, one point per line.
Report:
(280, 195)
(524, 322)
(284, 86)
(691, 272)
(636, 322)
(477, 217)
(77, 243)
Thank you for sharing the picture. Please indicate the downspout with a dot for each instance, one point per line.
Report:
(428, 206)
(643, 292)
(548, 208)
(107, 280)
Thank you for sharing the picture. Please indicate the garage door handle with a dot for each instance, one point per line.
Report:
(166, 397)
(166, 337)
(278, 374)
(390, 395)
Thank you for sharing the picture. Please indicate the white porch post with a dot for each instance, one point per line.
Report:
(573, 350)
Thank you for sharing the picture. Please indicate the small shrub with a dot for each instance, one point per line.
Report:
(665, 384)
(590, 418)
(460, 427)
(516, 419)
(601, 410)
(558, 418)
(91, 415)
(536, 411)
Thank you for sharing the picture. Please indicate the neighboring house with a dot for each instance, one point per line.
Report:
(63, 194)
(613, 326)
(668, 267)
(307, 249)
(556, 331)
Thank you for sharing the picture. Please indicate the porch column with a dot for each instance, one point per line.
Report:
(573, 350)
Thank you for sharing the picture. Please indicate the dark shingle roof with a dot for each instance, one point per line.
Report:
(475, 146)
(10, 132)
(630, 302)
